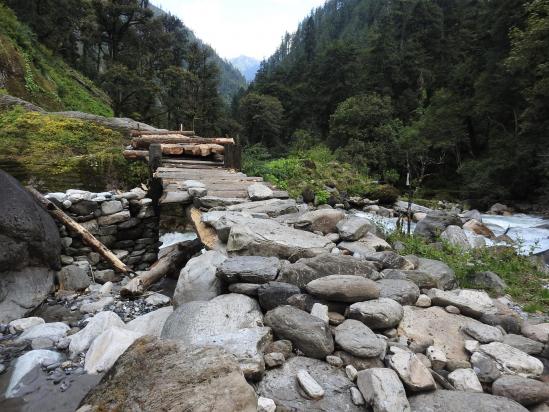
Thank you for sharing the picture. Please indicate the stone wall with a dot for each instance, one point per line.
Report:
(126, 223)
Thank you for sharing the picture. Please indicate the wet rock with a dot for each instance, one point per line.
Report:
(81, 341)
(512, 361)
(353, 228)
(383, 390)
(306, 270)
(107, 348)
(411, 371)
(359, 340)
(275, 294)
(151, 323)
(306, 332)
(197, 280)
(249, 269)
(259, 191)
(24, 364)
(483, 333)
(280, 385)
(470, 302)
(525, 391)
(197, 379)
(344, 288)
(488, 281)
(527, 345)
(402, 291)
(460, 401)
(380, 313)
(465, 380)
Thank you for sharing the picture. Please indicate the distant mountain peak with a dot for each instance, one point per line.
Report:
(247, 65)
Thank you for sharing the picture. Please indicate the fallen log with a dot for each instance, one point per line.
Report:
(144, 142)
(169, 262)
(87, 237)
(136, 133)
(205, 149)
(136, 154)
(206, 234)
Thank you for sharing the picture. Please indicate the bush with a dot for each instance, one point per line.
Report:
(386, 194)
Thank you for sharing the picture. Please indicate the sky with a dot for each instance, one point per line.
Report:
(241, 27)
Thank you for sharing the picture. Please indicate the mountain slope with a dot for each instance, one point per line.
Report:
(248, 66)
(30, 71)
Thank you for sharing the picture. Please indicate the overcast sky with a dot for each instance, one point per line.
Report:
(235, 27)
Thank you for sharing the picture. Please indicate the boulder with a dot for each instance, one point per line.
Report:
(29, 253)
(53, 331)
(81, 341)
(483, 333)
(322, 220)
(306, 270)
(197, 280)
(358, 363)
(280, 385)
(485, 367)
(471, 303)
(354, 227)
(20, 325)
(371, 241)
(487, 280)
(111, 207)
(265, 237)
(402, 291)
(455, 236)
(539, 332)
(525, 391)
(359, 340)
(465, 380)
(460, 401)
(527, 345)
(470, 215)
(107, 348)
(259, 191)
(344, 288)
(411, 371)
(379, 313)
(275, 294)
(429, 274)
(435, 223)
(444, 328)
(383, 390)
(271, 207)
(27, 362)
(499, 209)
(74, 277)
(512, 361)
(150, 323)
(391, 260)
(248, 289)
(249, 269)
(306, 332)
(479, 228)
(197, 379)
(208, 202)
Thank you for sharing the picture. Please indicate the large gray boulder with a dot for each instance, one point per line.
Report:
(435, 223)
(525, 391)
(308, 333)
(359, 340)
(198, 280)
(354, 227)
(306, 270)
(30, 249)
(344, 288)
(455, 236)
(402, 291)
(471, 303)
(322, 220)
(197, 379)
(383, 390)
(271, 207)
(265, 237)
(249, 269)
(459, 401)
(275, 294)
(382, 313)
(429, 274)
(281, 386)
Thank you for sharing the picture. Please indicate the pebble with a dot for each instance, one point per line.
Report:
(335, 318)
(351, 372)
(357, 397)
(423, 301)
(320, 311)
(309, 385)
(265, 405)
(274, 359)
(452, 309)
(334, 361)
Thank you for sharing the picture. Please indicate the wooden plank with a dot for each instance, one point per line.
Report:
(136, 133)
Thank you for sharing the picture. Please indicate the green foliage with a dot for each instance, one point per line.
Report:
(524, 280)
(29, 71)
(386, 194)
(321, 197)
(261, 116)
(60, 153)
(315, 169)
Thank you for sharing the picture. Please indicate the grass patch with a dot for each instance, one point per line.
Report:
(57, 153)
(525, 282)
(31, 72)
(314, 169)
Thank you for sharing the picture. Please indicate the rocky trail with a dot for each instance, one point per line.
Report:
(292, 308)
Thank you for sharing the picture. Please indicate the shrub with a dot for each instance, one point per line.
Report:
(386, 194)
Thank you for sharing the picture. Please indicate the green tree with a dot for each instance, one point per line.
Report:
(262, 119)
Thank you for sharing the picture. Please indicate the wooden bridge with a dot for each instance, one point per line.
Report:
(175, 157)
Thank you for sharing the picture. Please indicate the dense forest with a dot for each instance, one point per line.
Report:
(151, 66)
(454, 91)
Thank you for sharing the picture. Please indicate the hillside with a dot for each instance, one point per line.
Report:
(30, 71)
(248, 66)
(452, 91)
